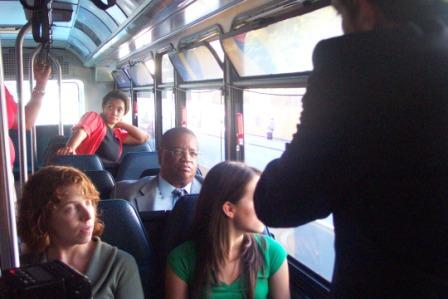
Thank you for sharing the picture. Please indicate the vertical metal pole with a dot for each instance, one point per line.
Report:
(9, 249)
(58, 65)
(33, 130)
(21, 115)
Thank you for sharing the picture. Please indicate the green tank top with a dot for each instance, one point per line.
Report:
(182, 262)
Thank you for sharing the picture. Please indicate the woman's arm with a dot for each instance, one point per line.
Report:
(41, 74)
(79, 134)
(135, 135)
(279, 283)
(175, 288)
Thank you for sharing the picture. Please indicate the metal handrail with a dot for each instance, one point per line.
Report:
(33, 130)
(21, 106)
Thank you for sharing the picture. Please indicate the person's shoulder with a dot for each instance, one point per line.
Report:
(91, 114)
(114, 253)
(268, 243)
(136, 183)
(31, 258)
(273, 252)
(90, 117)
(185, 249)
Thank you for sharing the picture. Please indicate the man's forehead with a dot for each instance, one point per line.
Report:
(182, 140)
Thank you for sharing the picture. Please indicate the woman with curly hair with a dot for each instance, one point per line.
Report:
(58, 220)
(225, 257)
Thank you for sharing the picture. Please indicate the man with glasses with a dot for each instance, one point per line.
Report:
(178, 159)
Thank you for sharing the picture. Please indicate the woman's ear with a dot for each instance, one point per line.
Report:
(229, 209)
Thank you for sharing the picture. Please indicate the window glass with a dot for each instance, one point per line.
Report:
(128, 116)
(263, 51)
(146, 113)
(150, 65)
(169, 111)
(197, 64)
(140, 75)
(216, 45)
(121, 79)
(205, 117)
(270, 118)
(72, 104)
(167, 70)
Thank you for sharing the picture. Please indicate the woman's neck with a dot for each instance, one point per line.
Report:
(76, 256)
(235, 243)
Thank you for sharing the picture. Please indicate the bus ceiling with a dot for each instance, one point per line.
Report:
(110, 34)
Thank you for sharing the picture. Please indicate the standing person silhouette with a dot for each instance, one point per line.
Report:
(371, 149)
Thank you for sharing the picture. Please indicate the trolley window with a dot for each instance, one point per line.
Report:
(140, 74)
(146, 114)
(283, 47)
(197, 64)
(205, 116)
(270, 118)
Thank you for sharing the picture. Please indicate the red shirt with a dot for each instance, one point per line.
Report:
(96, 128)
(11, 112)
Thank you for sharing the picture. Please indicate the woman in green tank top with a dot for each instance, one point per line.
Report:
(224, 257)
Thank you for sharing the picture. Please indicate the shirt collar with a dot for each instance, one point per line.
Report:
(166, 188)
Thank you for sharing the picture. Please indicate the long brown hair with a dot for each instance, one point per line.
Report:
(227, 181)
(41, 193)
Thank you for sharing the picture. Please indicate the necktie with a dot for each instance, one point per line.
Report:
(178, 193)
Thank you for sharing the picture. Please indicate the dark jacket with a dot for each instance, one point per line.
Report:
(372, 148)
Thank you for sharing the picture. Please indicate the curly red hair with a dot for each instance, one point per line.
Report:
(41, 193)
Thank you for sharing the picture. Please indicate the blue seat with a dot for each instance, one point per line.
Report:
(124, 229)
(133, 165)
(103, 181)
(135, 148)
(44, 134)
(150, 172)
(82, 162)
(178, 224)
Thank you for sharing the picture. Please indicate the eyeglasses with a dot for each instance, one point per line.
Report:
(178, 152)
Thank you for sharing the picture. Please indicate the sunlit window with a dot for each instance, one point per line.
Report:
(283, 47)
(167, 70)
(146, 114)
(197, 64)
(216, 45)
(205, 116)
(72, 104)
(140, 74)
(168, 110)
(270, 118)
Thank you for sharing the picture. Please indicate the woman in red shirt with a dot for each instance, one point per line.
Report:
(104, 134)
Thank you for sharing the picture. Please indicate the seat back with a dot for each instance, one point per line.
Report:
(44, 134)
(133, 165)
(103, 181)
(124, 229)
(150, 172)
(82, 162)
(178, 224)
(135, 148)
